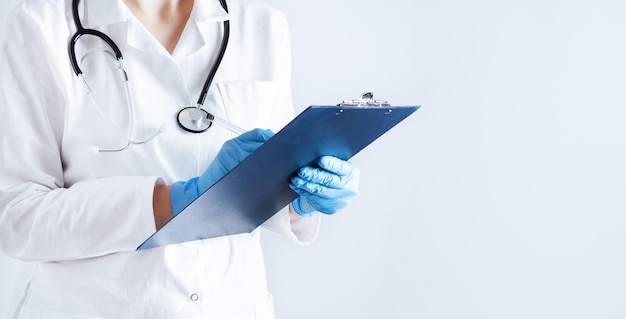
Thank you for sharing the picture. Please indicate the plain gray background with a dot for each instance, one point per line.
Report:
(503, 197)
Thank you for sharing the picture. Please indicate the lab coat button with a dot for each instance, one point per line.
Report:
(193, 297)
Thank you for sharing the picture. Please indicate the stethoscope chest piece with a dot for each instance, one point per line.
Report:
(195, 119)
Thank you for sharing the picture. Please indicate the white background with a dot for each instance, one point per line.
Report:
(503, 197)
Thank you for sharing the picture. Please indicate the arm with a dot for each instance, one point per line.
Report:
(162, 204)
(43, 215)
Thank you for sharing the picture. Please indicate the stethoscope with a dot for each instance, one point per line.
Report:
(193, 119)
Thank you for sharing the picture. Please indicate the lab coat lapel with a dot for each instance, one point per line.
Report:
(209, 11)
(99, 14)
(205, 17)
(140, 38)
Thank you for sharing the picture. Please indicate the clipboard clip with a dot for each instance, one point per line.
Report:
(366, 99)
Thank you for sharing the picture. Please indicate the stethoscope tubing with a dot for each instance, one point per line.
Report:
(220, 56)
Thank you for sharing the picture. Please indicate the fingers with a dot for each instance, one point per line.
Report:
(309, 205)
(336, 165)
(303, 186)
(327, 188)
(256, 135)
(326, 183)
(251, 140)
(333, 172)
(316, 176)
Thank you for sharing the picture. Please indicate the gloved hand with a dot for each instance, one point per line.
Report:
(326, 189)
(232, 153)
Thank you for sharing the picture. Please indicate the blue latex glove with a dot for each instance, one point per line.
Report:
(327, 188)
(232, 153)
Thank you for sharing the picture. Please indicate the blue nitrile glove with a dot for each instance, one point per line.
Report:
(232, 153)
(327, 188)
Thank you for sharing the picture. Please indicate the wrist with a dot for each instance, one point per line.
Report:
(161, 204)
(293, 215)
(302, 208)
(182, 194)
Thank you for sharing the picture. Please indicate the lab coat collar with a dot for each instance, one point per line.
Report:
(98, 13)
(208, 11)
(103, 12)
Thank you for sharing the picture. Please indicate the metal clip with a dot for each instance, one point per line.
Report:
(366, 99)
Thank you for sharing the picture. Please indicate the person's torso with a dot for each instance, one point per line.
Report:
(218, 278)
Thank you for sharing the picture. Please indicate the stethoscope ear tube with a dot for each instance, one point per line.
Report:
(80, 31)
(98, 34)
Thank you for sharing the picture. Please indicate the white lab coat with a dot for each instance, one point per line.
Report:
(80, 216)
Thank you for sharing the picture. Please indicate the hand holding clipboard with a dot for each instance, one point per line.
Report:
(235, 205)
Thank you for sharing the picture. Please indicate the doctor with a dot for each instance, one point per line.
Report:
(88, 172)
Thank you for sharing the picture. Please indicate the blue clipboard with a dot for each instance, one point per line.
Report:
(258, 187)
